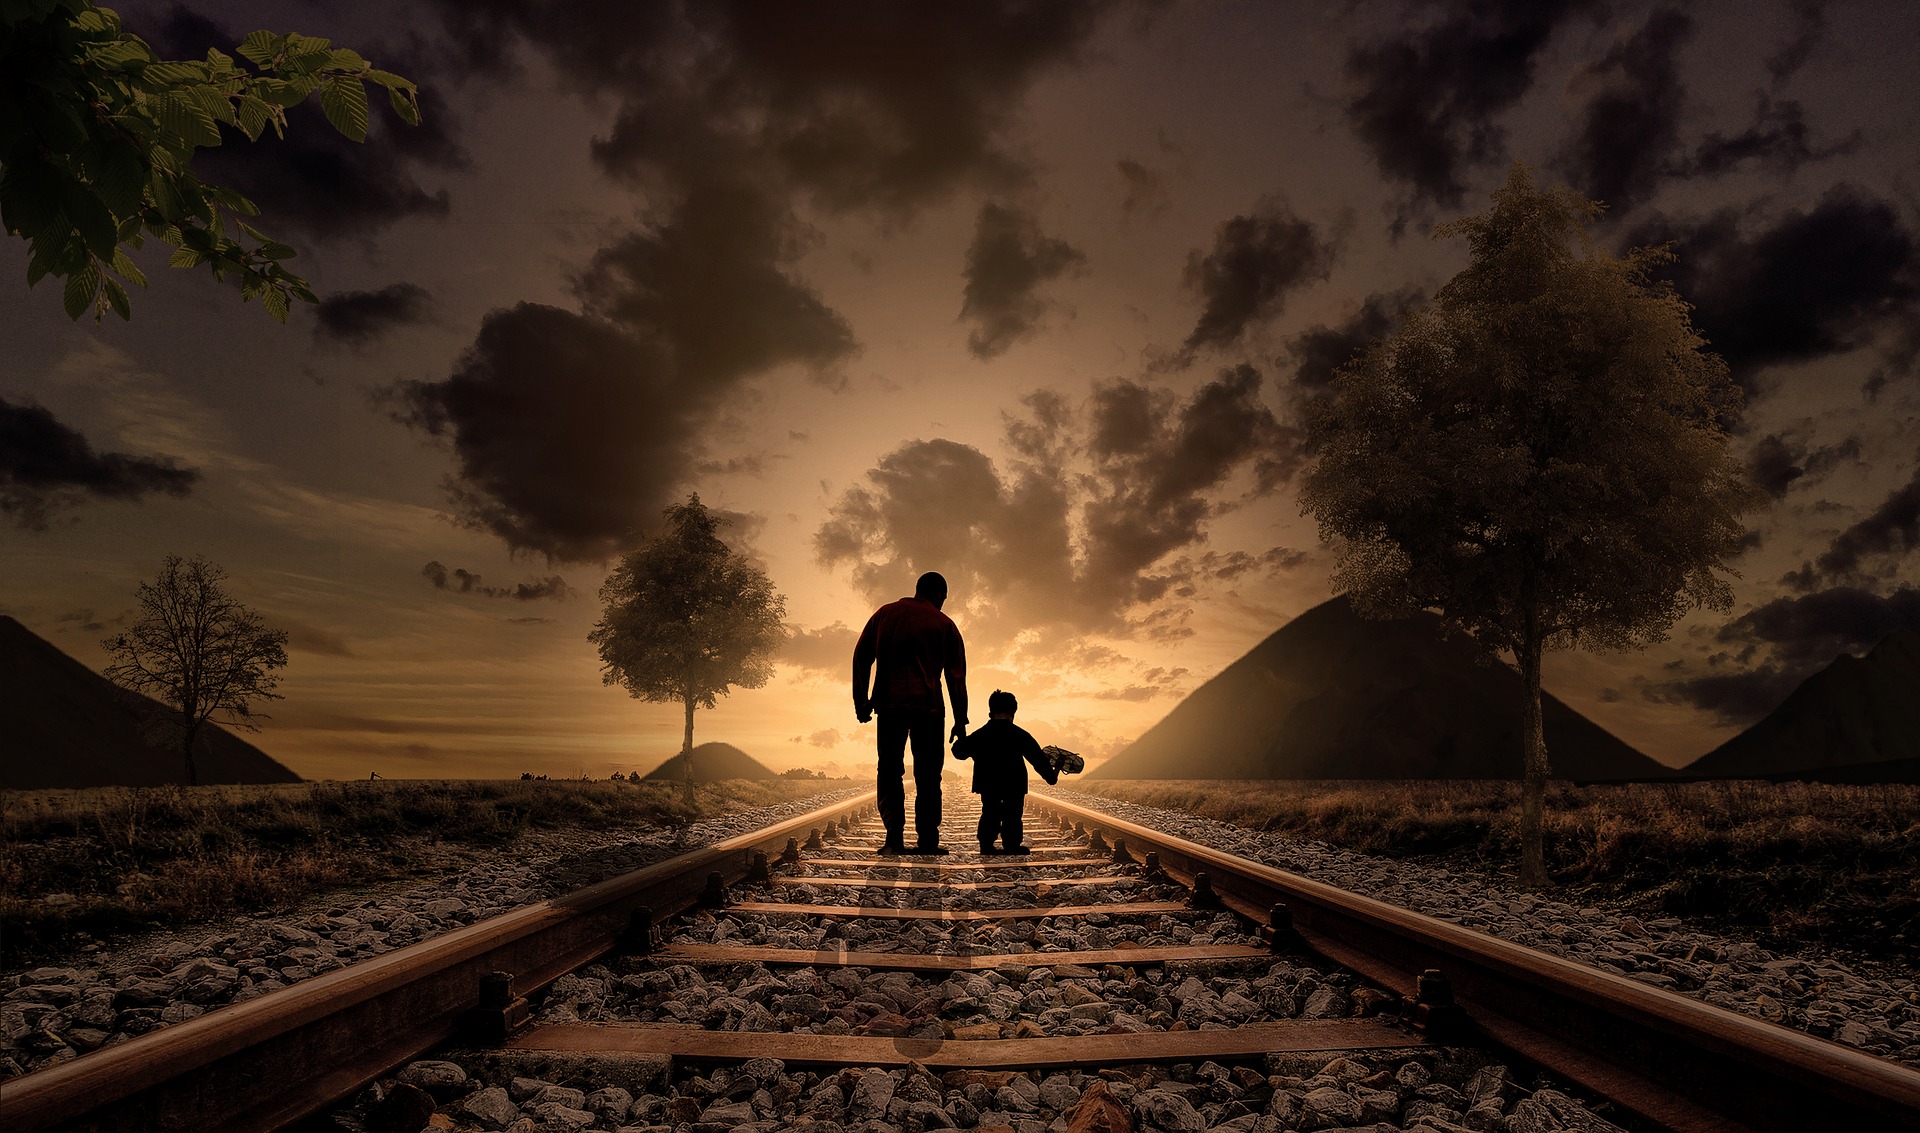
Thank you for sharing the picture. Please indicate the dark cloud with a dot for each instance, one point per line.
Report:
(573, 430)
(1130, 693)
(1146, 190)
(1053, 543)
(1777, 461)
(1809, 27)
(866, 104)
(1629, 126)
(359, 317)
(1810, 284)
(47, 467)
(1892, 531)
(1319, 351)
(1009, 260)
(1156, 464)
(1775, 646)
(462, 581)
(1425, 101)
(1778, 141)
(1255, 261)
(314, 180)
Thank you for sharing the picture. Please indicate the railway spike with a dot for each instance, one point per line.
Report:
(791, 855)
(1120, 854)
(1079, 831)
(757, 871)
(715, 894)
(1151, 870)
(1096, 843)
(499, 1012)
(1434, 1011)
(1062, 825)
(641, 938)
(1203, 895)
(1279, 930)
(813, 840)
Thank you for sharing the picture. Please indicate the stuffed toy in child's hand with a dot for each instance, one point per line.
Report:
(1064, 762)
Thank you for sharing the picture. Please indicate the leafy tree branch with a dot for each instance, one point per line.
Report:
(97, 134)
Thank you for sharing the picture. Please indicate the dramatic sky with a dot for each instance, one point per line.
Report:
(1030, 294)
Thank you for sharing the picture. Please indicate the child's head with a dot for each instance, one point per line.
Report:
(1002, 704)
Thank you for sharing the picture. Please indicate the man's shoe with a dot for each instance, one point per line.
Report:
(1018, 850)
(987, 848)
(923, 848)
(890, 848)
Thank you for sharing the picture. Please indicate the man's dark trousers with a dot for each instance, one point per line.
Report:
(926, 731)
(1002, 816)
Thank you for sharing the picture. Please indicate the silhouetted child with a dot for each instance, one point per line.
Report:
(1000, 750)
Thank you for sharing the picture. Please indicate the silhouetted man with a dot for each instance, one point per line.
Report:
(913, 643)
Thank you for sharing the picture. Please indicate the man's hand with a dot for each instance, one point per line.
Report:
(862, 711)
(959, 729)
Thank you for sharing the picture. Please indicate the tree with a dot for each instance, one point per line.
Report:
(97, 133)
(196, 649)
(1540, 455)
(687, 618)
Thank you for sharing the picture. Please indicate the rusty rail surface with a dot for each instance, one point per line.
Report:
(267, 1062)
(1677, 1062)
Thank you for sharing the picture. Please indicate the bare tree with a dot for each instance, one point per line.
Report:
(687, 618)
(196, 649)
(1540, 455)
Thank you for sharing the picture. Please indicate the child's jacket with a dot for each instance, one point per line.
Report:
(1001, 750)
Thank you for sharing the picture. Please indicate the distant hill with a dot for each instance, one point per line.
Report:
(1331, 695)
(1855, 713)
(64, 725)
(713, 762)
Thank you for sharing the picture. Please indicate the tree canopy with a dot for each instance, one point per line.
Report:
(1540, 454)
(198, 650)
(687, 617)
(97, 134)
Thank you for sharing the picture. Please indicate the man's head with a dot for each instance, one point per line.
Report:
(932, 587)
(1001, 705)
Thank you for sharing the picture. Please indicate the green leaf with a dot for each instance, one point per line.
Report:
(275, 301)
(124, 264)
(92, 220)
(184, 258)
(117, 299)
(81, 288)
(405, 103)
(186, 121)
(274, 250)
(344, 101)
(347, 59)
(175, 74)
(253, 115)
(260, 47)
(117, 173)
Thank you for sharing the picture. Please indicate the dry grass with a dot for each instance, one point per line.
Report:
(1795, 862)
(90, 863)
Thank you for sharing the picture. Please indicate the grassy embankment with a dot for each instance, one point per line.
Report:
(1788, 863)
(118, 859)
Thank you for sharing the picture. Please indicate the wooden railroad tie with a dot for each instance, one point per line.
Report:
(850, 912)
(1039, 884)
(939, 962)
(1015, 862)
(698, 1044)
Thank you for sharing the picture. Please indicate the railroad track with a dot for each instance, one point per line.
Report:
(1110, 948)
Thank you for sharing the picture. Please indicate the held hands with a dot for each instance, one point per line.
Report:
(959, 731)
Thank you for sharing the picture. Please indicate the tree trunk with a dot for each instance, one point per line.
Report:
(1533, 783)
(686, 746)
(186, 752)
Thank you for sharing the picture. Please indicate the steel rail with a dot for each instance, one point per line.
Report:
(1682, 1064)
(265, 1063)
